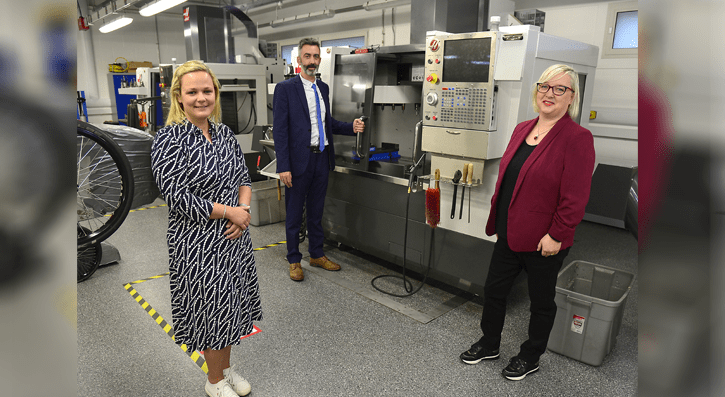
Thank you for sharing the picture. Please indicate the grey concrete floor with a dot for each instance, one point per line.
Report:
(325, 336)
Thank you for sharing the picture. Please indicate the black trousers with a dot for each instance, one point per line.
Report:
(542, 273)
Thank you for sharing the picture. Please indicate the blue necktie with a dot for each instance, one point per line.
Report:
(319, 119)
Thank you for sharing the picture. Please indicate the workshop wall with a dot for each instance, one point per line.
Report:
(615, 84)
(155, 39)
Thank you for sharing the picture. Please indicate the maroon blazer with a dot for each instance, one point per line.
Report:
(553, 186)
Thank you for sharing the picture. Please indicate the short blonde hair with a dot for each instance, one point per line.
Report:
(176, 112)
(553, 71)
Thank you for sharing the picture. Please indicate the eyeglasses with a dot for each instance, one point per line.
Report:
(558, 90)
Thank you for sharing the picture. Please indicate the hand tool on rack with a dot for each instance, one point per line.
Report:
(433, 202)
(463, 189)
(456, 179)
(470, 185)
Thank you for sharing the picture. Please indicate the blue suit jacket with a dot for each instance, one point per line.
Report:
(292, 129)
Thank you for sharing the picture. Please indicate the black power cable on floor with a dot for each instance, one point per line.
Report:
(406, 284)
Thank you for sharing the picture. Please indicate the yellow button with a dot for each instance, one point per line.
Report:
(592, 114)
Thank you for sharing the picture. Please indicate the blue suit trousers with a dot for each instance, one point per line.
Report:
(308, 191)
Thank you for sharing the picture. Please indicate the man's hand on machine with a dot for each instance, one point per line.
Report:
(286, 178)
(358, 126)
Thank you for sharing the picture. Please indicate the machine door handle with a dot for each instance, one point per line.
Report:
(453, 132)
(416, 140)
(358, 141)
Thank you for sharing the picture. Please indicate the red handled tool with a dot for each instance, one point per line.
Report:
(433, 203)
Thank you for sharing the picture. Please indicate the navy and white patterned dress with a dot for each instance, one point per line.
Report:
(214, 289)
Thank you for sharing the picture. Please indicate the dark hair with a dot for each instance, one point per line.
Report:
(307, 41)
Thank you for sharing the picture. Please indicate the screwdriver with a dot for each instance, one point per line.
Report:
(463, 189)
(456, 179)
(470, 184)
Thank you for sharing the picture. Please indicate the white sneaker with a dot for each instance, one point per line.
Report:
(221, 389)
(239, 384)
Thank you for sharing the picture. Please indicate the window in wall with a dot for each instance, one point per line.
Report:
(287, 52)
(621, 37)
(625, 31)
(354, 42)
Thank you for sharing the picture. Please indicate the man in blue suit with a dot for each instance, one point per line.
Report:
(303, 143)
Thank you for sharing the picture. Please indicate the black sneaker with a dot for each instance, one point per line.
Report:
(518, 368)
(476, 353)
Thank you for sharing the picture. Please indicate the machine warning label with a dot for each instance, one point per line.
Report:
(577, 324)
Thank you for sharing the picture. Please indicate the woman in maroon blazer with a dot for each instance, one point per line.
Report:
(543, 187)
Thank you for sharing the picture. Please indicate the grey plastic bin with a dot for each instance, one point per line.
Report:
(590, 303)
(266, 208)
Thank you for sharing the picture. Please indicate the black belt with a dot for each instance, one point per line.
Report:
(315, 149)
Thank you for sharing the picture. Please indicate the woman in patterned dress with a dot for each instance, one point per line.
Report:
(200, 170)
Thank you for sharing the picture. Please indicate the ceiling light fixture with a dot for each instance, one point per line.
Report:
(379, 5)
(158, 6)
(115, 24)
(313, 16)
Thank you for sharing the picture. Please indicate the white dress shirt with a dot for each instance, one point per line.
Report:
(312, 105)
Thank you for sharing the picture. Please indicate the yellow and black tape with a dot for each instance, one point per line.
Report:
(168, 329)
(149, 278)
(148, 208)
(195, 356)
(143, 209)
(270, 246)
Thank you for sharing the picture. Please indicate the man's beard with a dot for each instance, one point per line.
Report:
(309, 72)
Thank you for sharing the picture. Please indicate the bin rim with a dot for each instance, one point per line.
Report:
(604, 302)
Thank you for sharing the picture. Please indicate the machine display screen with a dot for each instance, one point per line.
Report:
(467, 60)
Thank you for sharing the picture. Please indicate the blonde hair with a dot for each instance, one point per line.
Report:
(553, 71)
(176, 112)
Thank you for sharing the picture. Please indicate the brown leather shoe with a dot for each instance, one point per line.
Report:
(295, 272)
(324, 263)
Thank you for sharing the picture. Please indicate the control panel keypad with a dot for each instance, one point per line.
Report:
(463, 105)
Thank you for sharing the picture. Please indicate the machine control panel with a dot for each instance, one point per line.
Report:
(459, 87)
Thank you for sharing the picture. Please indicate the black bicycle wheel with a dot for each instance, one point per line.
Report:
(104, 185)
(89, 257)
